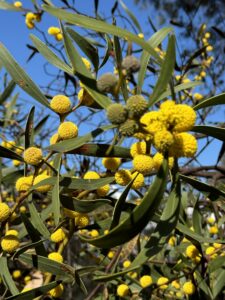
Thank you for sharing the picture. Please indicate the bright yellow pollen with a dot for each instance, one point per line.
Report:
(126, 263)
(10, 243)
(18, 4)
(185, 145)
(123, 290)
(58, 236)
(54, 139)
(145, 281)
(111, 163)
(123, 177)
(57, 291)
(138, 148)
(82, 220)
(143, 164)
(53, 30)
(139, 180)
(60, 104)
(94, 233)
(161, 282)
(163, 139)
(24, 183)
(55, 256)
(43, 188)
(158, 159)
(4, 212)
(12, 232)
(192, 251)
(188, 288)
(91, 175)
(33, 156)
(67, 130)
(16, 274)
(103, 190)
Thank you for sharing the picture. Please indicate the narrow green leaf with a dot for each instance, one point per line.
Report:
(82, 206)
(6, 276)
(166, 71)
(7, 153)
(29, 129)
(55, 191)
(108, 50)
(77, 142)
(7, 6)
(86, 47)
(216, 132)
(20, 77)
(40, 124)
(50, 56)
(218, 282)
(212, 192)
(212, 101)
(35, 292)
(201, 282)
(132, 16)
(154, 41)
(216, 263)
(100, 26)
(138, 218)
(36, 219)
(10, 109)
(7, 91)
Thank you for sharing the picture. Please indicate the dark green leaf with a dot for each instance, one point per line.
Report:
(7, 153)
(7, 91)
(218, 133)
(55, 191)
(215, 100)
(6, 276)
(29, 130)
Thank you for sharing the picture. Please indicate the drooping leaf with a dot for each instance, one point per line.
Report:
(138, 218)
(212, 101)
(109, 48)
(132, 16)
(20, 77)
(7, 153)
(216, 132)
(6, 276)
(7, 91)
(29, 129)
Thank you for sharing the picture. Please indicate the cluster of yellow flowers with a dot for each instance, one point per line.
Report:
(56, 32)
(31, 18)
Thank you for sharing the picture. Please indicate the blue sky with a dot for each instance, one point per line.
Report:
(15, 35)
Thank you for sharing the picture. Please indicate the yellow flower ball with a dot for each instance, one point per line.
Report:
(24, 183)
(54, 139)
(209, 48)
(211, 252)
(16, 163)
(163, 139)
(158, 159)
(123, 177)
(57, 291)
(139, 180)
(153, 121)
(111, 254)
(217, 245)
(58, 236)
(111, 163)
(141, 35)
(91, 175)
(188, 288)
(12, 232)
(198, 96)
(85, 98)
(43, 188)
(183, 118)
(145, 281)
(94, 233)
(60, 104)
(161, 282)
(10, 243)
(210, 220)
(213, 229)
(203, 74)
(185, 145)
(123, 290)
(18, 4)
(4, 212)
(30, 16)
(67, 130)
(23, 209)
(126, 263)
(16, 274)
(27, 279)
(175, 284)
(138, 148)
(33, 156)
(56, 257)
(103, 190)
(167, 110)
(30, 25)
(191, 251)
(59, 36)
(172, 241)
(82, 220)
(143, 164)
(53, 30)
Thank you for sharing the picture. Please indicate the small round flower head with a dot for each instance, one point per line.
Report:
(12, 232)
(185, 145)
(116, 113)
(172, 241)
(30, 16)
(111, 163)
(24, 183)
(175, 284)
(107, 83)
(213, 229)
(18, 4)
(123, 290)
(198, 96)
(163, 139)
(183, 118)
(153, 122)
(4, 212)
(59, 36)
(111, 254)
(136, 105)
(10, 243)
(161, 282)
(86, 63)
(16, 274)
(67, 130)
(167, 105)
(217, 245)
(54, 138)
(188, 288)
(16, 163)
(55, 256)
(138, 148)
(143, 164)
(128, 128)
(139, 180)
(57, 291)
(82, 220)
(58, 236)
(131, 64)
(123, 177)
(103, 190)
(33, 156)
(211, 252)
(53, 30)
(91, 175)
(43, 188)
(94, 233)
(191, 251)
(158, 159)
(85, 98)
(126, 263)
(145, 281)
(60, 104)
